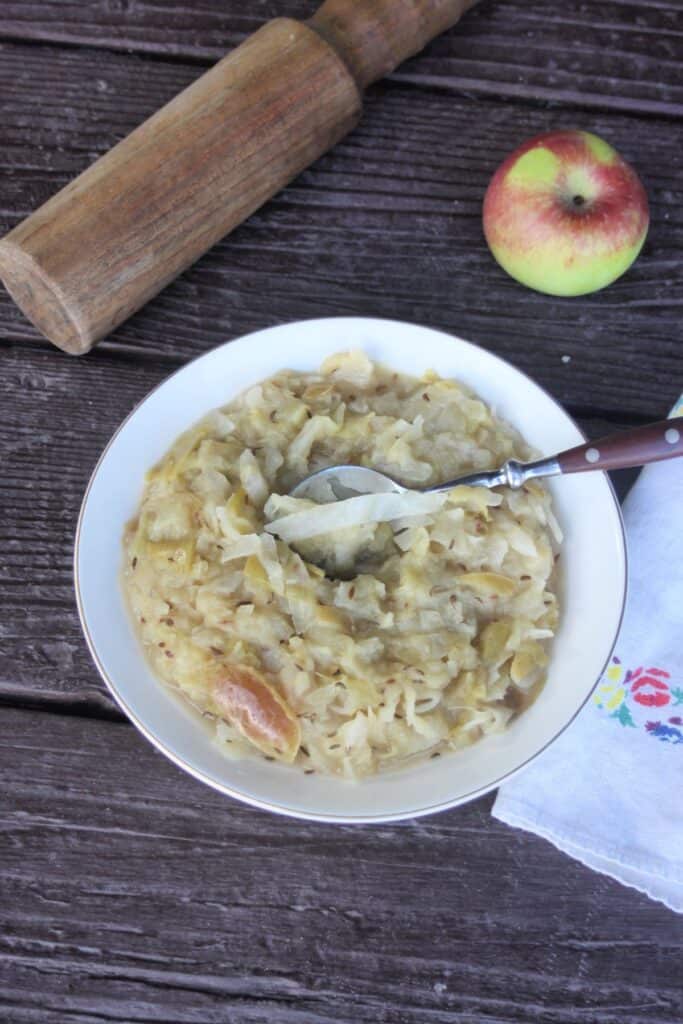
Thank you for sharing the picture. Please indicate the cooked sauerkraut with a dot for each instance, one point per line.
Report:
(350, 650)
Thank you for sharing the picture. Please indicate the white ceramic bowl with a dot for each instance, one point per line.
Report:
(593, 558)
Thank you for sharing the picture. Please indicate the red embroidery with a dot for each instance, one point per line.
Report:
(648, 687)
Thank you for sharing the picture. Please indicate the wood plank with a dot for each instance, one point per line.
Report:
(47, 457)
(160, 900)
(58, 413)
(620, 55)
(388, 224)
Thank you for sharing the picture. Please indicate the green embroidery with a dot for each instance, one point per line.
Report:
(623, 716)
(677, 694)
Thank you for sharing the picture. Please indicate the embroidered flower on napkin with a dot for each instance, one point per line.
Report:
(642, 698)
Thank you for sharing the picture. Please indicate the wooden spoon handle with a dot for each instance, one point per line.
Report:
(652, 443)
(375, 36)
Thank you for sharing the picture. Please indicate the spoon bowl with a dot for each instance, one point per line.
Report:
(336, 483)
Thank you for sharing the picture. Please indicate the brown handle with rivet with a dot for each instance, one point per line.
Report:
(637, 447)
(139, 216)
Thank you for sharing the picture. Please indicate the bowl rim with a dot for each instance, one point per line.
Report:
(279, 808)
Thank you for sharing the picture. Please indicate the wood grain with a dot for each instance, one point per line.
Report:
(388, 224)
(375, 37)
(131, 222)
(61, 418)
(62, 414)
(133, 893)
(617, 55)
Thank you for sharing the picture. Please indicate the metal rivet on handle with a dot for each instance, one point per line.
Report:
(592, 455)
(672, 436)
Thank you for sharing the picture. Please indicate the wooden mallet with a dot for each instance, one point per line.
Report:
(144, 212)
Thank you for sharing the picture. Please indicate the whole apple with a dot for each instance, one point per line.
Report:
(565, 214)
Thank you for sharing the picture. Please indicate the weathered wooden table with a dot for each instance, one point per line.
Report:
(130, 892)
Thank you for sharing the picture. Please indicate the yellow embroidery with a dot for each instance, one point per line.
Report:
(609, 696)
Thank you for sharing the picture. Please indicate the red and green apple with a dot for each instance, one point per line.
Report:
(565, 214)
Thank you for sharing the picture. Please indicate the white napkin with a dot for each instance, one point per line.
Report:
(609, 791)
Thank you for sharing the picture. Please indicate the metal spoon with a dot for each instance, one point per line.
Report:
(651, 443)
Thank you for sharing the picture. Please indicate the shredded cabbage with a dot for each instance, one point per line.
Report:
(359, 511)
(353, 636)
